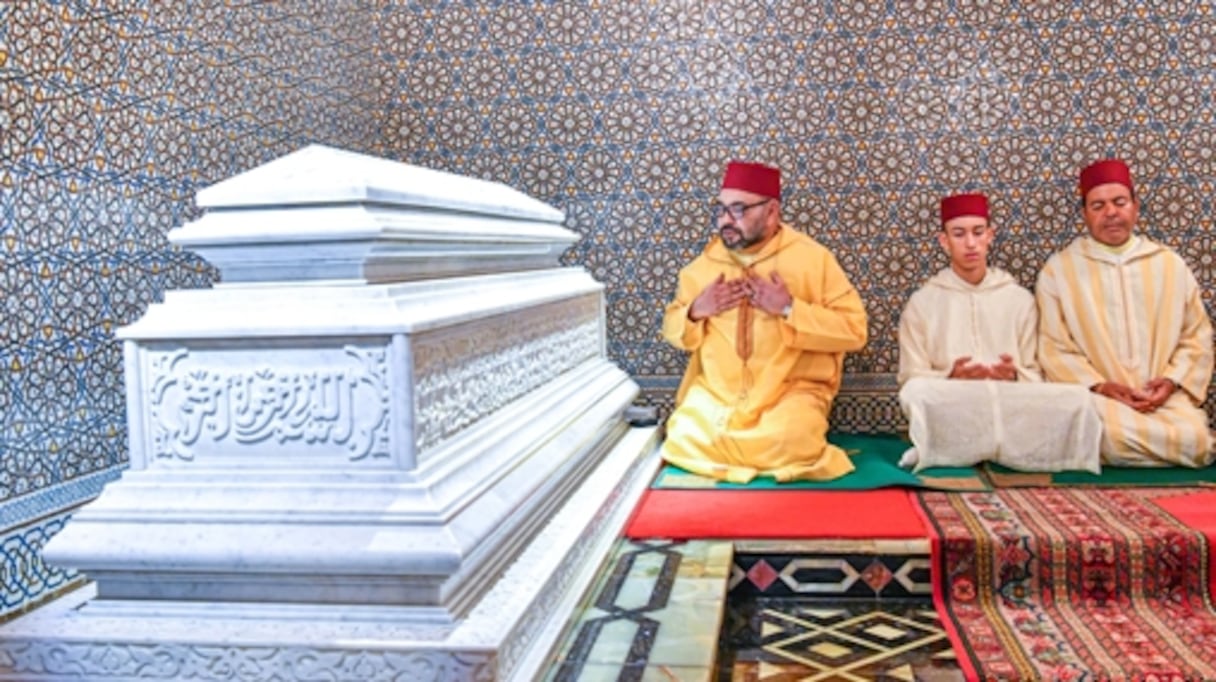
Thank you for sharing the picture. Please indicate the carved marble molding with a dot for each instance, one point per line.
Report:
(166, 661)
(507, 636)
(466, 372)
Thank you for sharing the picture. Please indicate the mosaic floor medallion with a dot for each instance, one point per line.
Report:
(775, 640)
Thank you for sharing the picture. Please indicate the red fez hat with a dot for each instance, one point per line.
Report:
(756, 178)
(1102, 172)
(964, 204)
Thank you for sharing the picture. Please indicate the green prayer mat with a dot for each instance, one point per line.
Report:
(1004, 477)
(876, 458)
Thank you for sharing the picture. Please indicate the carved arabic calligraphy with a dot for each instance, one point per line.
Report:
(195, 402)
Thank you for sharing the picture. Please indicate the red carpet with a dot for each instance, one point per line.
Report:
(1071, 584)
(1198, 512)
(768, 514)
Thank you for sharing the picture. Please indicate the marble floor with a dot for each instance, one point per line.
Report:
(655, 614)
(717, 611)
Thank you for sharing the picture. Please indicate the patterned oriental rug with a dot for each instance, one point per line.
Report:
(1071, 583)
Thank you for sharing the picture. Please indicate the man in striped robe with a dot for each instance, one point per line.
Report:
(1122, 314)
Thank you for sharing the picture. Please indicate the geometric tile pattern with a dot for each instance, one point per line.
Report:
(621, 113)
(663, 609)
(54, 499)
(783, 639)
(112, 115)
(24, 578)
(830, 576)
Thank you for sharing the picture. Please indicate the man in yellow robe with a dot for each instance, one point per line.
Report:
(1122, 315)
(970, 385)
(767, 315)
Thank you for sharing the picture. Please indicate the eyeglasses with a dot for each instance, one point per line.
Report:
(736, 210)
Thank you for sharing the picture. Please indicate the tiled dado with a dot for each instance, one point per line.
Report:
(25, 580)
(26, 524)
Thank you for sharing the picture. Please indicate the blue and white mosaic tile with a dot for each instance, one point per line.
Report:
(621, 113)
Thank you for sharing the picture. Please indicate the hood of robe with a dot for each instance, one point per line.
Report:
(994, 278)
(1091, 249)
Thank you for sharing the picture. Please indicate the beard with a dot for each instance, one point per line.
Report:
(734, 238)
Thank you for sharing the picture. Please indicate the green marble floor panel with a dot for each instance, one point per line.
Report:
(654, 614)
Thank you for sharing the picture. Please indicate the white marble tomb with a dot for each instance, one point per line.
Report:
(389, 445)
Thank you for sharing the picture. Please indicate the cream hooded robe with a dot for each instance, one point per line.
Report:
(1027, 424)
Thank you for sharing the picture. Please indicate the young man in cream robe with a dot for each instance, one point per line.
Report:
(766, 314)
(975, 322)
(1122, 316)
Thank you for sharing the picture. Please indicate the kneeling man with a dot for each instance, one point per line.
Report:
(972, 321)
(767, 315)
(1123, 316)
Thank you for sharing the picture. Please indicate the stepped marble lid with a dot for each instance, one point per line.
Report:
(322, 213)
(318, 174)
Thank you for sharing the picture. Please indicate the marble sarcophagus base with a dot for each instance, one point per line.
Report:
(389, 445)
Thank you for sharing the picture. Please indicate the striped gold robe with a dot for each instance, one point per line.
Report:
(1129, 318)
